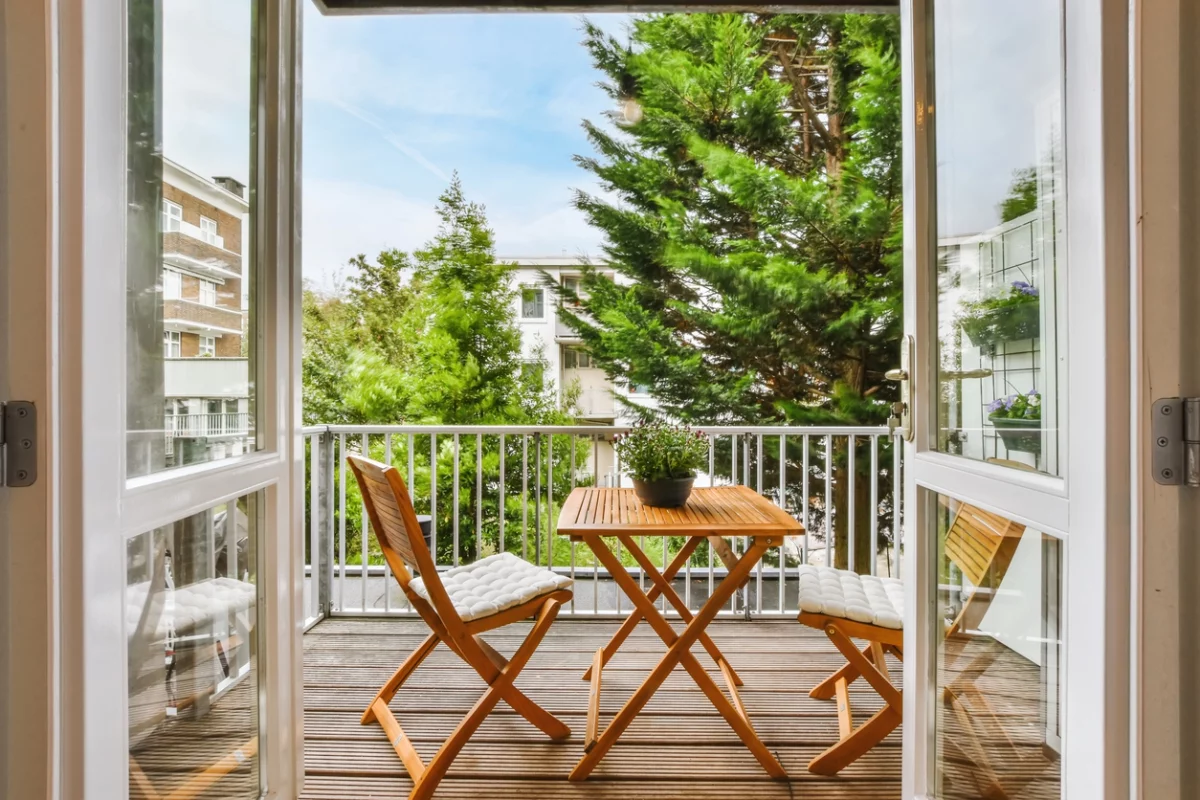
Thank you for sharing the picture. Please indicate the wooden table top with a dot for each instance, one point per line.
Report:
(719, 511)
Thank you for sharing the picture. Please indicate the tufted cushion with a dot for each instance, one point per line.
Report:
(493, 584)
(192, 607)
(848, 595)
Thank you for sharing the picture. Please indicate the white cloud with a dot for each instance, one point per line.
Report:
(206, 77)
(345, 218)
(391, 138)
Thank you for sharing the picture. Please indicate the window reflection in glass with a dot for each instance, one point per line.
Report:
(998, 726)
(1000, 218)
(189, 220)
(190, 618)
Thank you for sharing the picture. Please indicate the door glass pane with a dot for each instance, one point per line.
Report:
(998, 726)
(190, 613)
(1000, 215)
(189, 223)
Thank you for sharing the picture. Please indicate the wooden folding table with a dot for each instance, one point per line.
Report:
(591, 514)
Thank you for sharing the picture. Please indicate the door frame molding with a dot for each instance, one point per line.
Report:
(29, 720)
(1165, 192)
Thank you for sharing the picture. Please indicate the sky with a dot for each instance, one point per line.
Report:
(394, 105)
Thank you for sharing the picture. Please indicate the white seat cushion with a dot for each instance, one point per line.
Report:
(493, 584)
(848, 595)
(190, 608)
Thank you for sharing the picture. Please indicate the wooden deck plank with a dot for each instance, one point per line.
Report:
(680, 747)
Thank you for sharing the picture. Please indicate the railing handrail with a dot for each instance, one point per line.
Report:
(806, 487)
(584, 430)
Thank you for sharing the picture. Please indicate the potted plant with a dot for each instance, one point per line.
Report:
(1006, 318)
(1018, 421)
(663, 460)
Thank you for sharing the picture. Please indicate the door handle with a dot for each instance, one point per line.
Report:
(901, 416)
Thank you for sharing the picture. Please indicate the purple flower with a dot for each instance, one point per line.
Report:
(1009, 402)
(1025, 288)
(995, 405)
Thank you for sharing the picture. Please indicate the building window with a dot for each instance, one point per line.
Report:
(571, 285)
(208, 293)
(533, 303)
(208, 345)
(172, 283)
(576, 358)
(171, 345)
(172, 216)
(208, 230)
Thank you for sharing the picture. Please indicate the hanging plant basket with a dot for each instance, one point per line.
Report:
(989, 327)
(1019, 435)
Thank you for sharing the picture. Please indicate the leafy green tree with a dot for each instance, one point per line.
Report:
(752, 208)
(1022, 195)
(465, 342)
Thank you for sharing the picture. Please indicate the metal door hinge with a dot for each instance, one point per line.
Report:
(18, 443)
(1175, 432)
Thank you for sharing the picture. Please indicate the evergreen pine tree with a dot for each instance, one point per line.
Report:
(755, 215)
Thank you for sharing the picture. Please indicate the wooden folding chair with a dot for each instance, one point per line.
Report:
(846, 605)
(457, 606)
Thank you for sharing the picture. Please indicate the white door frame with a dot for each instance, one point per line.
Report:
(1090, 506)
(99, 508)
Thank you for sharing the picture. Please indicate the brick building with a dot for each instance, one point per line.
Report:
(204, 262)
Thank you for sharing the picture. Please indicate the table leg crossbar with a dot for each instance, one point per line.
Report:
(678, 647)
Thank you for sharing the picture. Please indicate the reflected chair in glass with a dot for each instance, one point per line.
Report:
(160, 610)
(848, 606)
(982, 546)
(457, 605)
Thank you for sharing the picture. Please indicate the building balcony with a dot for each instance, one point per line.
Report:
(208, 259)
(206, 377)
(192, 317)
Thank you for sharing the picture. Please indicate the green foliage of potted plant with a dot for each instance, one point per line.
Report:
(663, 460)
(1018, 421)
(1006, 318)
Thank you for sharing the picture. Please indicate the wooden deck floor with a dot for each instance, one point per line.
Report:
(678, 748)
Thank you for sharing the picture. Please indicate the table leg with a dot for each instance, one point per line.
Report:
(660, 588)
(678, 652)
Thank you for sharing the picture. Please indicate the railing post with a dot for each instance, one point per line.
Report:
(323, 559)
(537, 499)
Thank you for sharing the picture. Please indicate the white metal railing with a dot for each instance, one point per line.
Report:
(196, 232)
(222, 424)
(495, 488)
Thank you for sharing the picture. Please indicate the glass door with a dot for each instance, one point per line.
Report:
(185, 341)
(997, 304)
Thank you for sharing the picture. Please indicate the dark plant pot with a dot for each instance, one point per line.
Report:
(1010, 324)
(664, 492)
(426, 522)
(1021, 435)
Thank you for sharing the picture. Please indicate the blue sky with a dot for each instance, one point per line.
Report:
(393, 105)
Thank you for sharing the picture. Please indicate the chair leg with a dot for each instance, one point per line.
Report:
(534, 714)
(389, 689)
(499, 689)
(849, 673)
(855, 742)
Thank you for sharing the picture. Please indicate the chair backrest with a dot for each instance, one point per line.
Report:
(981, 543)
(393, 519)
